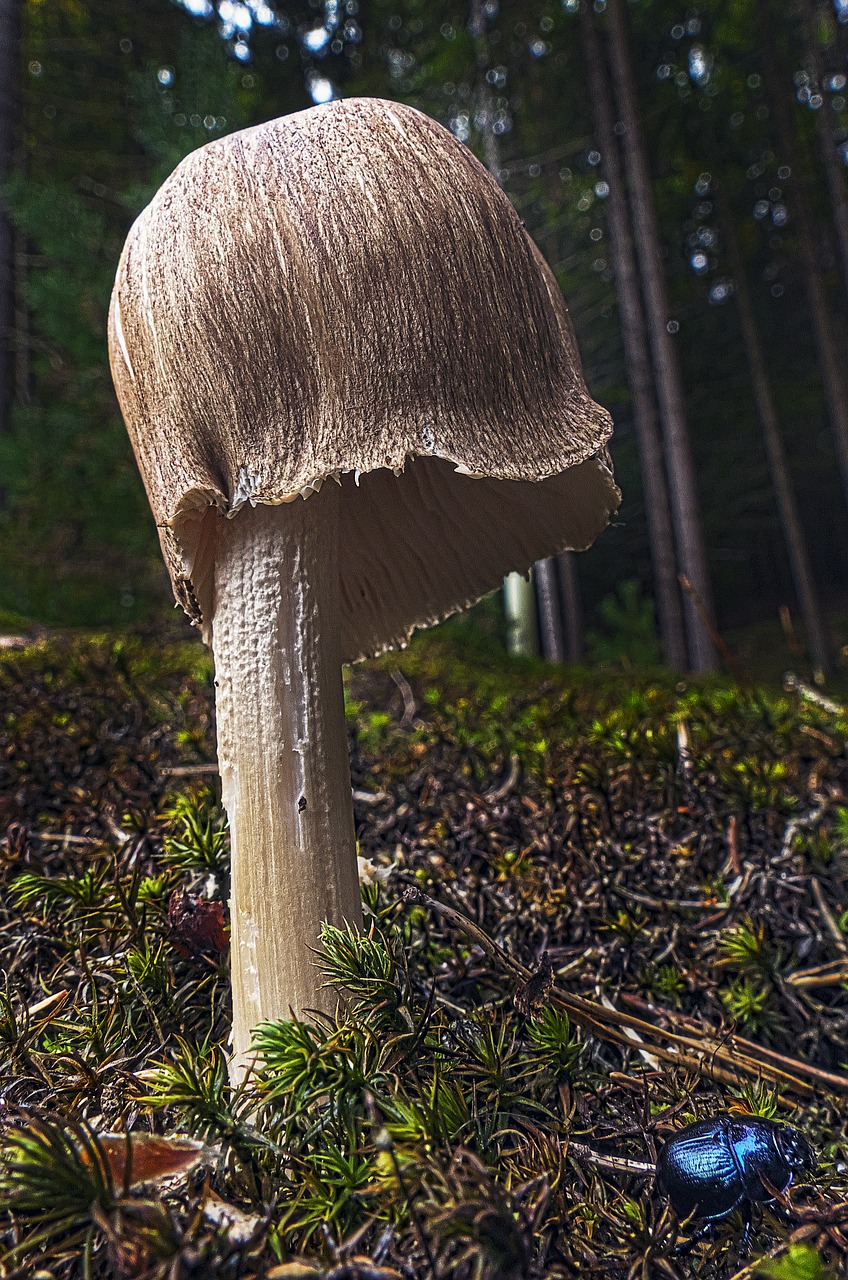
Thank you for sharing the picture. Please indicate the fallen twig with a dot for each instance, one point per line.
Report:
(793, 684)
(501, 792)
(820, 975)
(64, 837)
(409, 707)
(669, 904)
(748, 1047)
(370, 797)
(803, 822)
(836, 934)
(719, 1056)
(619, 1164)
(189, 770)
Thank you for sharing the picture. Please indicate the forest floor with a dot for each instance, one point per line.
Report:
(600, 905)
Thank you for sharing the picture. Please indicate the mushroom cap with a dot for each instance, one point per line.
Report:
(336, 293)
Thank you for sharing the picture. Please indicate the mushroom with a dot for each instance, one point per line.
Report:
(355, 399)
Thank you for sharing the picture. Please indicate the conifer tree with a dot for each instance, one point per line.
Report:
(691, 550)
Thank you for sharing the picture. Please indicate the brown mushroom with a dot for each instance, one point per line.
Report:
(339, 301)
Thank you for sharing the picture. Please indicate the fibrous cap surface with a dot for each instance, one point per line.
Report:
(341, 291)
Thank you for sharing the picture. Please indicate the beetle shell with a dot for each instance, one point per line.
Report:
(715, 1166)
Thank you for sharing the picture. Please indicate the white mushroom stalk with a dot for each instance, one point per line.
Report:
(282, 753)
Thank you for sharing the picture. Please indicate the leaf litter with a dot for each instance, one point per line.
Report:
(599, 906)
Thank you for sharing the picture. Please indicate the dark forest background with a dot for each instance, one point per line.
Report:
(729, 363)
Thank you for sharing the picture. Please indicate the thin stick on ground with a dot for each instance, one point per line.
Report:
(717, 1056)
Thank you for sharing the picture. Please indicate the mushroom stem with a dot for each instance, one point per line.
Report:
(282, 752)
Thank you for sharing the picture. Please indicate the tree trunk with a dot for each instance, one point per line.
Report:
(519, 597)
(636, 354)
(9, 56)
(519, 594)
(572, 608)
(793, 533)
(548, 608)
(833, 168)
(831, 360)
(485, 104)
(678, 451)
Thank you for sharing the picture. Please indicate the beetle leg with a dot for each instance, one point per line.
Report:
(699, 1234)
(745, 1238)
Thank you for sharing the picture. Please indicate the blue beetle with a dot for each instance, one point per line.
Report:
(713, 1167)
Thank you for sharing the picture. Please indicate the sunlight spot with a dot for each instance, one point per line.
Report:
(317, 39)
(321, 89)
(720, 292)
(237, 14)
(700, 64)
